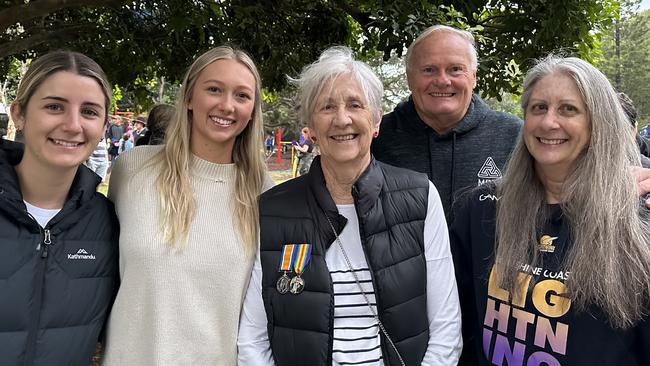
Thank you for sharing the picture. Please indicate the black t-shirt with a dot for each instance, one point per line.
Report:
(541, 327)
(310, 145)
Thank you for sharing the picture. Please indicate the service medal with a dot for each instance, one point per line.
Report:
(300, 263)
(289, 252)
(283, 284)
(297, 285)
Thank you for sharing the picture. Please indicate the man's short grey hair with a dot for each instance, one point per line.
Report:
(333, 63)
(438, 28)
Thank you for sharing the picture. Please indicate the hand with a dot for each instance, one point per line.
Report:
(642, 176)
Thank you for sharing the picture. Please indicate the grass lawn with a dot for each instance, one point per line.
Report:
(280, 176)
(103, 186)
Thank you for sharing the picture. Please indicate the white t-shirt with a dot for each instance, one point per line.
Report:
(41, 215)
(443, 309)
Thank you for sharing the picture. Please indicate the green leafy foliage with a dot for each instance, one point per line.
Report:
(139, 41)
(630, 72)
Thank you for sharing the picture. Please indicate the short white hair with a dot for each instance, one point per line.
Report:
(438, 28)
(333, 63)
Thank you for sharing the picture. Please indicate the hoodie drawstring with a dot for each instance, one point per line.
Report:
(453, 167)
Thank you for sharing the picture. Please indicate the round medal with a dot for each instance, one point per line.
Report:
(297, 285)
(283, 284)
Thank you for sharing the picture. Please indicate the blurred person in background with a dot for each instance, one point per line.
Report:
(630, 112)
(157, 122)
(114, 134)
(98, 160)
(305, 150)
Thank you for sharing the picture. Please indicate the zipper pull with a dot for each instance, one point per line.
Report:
(47, 240)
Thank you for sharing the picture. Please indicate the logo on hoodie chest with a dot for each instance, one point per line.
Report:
(489, 171)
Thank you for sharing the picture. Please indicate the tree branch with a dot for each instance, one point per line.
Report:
(362, 18)
(15, 46)
(27, 11)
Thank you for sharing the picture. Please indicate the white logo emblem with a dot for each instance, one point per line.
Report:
(81, 254)
(484, 197)
(489, 170)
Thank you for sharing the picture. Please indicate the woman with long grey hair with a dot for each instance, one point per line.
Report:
(555, 258)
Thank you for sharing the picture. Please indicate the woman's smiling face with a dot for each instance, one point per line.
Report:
(222, 103)
(63, 120)
(557, 128)
(342, 122)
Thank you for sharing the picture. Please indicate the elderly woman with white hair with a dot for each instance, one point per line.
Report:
(354, 264)
(553, 262)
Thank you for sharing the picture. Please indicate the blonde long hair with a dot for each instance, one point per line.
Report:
(609, 257)
(177, 200)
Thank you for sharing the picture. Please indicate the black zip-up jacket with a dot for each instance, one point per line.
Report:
(56, 283)
(543, 328)
(391, 204)
(475, 151)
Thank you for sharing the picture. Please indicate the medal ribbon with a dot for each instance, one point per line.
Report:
(289, 252)
(302, 259)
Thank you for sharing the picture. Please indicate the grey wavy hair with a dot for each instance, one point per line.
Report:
(438, 28)
(609, 255)
(335, 62)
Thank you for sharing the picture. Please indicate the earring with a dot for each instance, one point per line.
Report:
(375, 134)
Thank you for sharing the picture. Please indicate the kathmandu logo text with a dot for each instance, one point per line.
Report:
(488, 171)
(81, 254)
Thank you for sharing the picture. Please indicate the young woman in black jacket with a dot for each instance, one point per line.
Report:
(58, 235)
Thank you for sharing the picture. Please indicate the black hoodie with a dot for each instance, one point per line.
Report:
(472, 153)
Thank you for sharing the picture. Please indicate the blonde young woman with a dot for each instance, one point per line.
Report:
(189, 219)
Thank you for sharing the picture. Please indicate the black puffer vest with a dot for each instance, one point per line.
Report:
(57, 283)
(391, 204)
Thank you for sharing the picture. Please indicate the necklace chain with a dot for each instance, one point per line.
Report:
(365, 296)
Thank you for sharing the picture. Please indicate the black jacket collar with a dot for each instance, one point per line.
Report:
(83, 187)
(365, 191)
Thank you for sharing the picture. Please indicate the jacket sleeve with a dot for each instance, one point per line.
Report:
(461, 249)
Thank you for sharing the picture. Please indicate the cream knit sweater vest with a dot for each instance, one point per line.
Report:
(175, 307)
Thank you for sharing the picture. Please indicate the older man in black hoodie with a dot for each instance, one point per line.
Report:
(444, 129)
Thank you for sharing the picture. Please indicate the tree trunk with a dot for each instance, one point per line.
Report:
(161, 89)
(617, 76)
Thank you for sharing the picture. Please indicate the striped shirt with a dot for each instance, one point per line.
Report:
(443, 311)
(356, 332)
